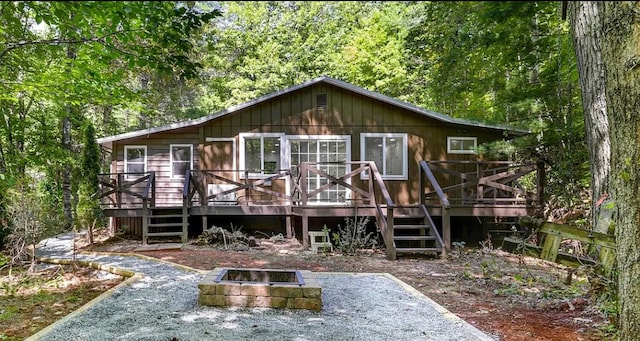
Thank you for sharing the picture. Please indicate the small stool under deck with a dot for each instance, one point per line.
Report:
(320, 239)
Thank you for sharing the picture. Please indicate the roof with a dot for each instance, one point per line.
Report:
(323, 79)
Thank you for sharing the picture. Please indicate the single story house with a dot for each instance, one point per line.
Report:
(297, 158)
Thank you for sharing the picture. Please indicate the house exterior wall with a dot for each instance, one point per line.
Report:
(348, 113)
(168, 190)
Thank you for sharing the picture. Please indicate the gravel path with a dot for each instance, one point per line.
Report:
(163, 305)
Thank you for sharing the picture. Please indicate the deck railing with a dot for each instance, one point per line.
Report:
(472, 183)
(465, 183)
(221, 187)
(140, 187)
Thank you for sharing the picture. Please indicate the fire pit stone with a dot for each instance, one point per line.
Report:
(248, 287)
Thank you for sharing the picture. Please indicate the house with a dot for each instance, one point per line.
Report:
(321, 150)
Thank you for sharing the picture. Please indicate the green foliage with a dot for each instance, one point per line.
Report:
(353, 236)
(29, 219)
(88, 210)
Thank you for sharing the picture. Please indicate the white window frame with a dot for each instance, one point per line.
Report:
(287, 152)
(243, 136)
(171, 160)
(462, 138)
(405, 155)
(126, 162)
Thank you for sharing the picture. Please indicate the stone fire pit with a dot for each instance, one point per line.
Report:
(293, 289)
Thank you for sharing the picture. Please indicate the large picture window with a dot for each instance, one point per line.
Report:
(462, 145)
(181, 160)
(135, 161)
(260, 153)
(388, 151)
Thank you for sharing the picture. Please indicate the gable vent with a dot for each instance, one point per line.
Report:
(321, 101)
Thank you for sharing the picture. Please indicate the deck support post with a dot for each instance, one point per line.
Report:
(391, 246)
(287, 221)
(446, 231)
(305, 229)
(145, 222)
(185, 220)
(205, 222)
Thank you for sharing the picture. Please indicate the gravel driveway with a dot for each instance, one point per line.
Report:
(163, 305)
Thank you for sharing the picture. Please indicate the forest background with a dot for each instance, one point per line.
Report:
(122, 66)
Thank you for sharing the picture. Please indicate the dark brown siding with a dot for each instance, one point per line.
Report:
(349, 113)
(295, 113)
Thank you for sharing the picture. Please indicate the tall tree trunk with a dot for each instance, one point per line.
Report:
(586, 28)
(621, 56)
(67, 205)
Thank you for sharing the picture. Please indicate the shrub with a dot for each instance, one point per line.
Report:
(353, 236)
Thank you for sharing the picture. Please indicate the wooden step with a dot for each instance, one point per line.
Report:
(411, 227)
(166, 225)
(158, 216)
(417, 249)
(414, 238)
(164, 234)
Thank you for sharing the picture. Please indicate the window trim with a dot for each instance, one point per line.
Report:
(126, 162)
(171, 161)
(345, 138)
(405, 155)
(462, 151)
(241, 152)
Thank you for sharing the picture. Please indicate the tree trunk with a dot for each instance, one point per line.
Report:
(586, 29)
(621, 56)
(67, 205)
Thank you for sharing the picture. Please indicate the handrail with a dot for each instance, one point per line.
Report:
(435, 232)
(380, 182)
(187, 184)
(151, 182)
(435, 184)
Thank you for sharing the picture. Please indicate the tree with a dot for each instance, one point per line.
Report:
(62, 63)
(621, 24)
(88, 209)
(587, 30)
(617, 23)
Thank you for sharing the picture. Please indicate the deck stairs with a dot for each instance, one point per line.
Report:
(164, 224)
(497, 228)
(415, 233)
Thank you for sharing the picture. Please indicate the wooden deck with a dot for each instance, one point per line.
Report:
(451, 189)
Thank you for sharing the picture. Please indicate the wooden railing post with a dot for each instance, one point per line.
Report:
(119, 190)
(186, 200)
(303, 184)
(145, 221)
(446, 231)
(421, 184)
(153, 189)
(391, 246)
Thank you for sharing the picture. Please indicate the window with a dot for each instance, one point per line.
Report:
(260, 153)
(135, 161)
(462, 145)
(389, 151)
(322, 148)
(181, 160)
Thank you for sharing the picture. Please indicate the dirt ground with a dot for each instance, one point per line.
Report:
(31, 301)
(505, 295)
